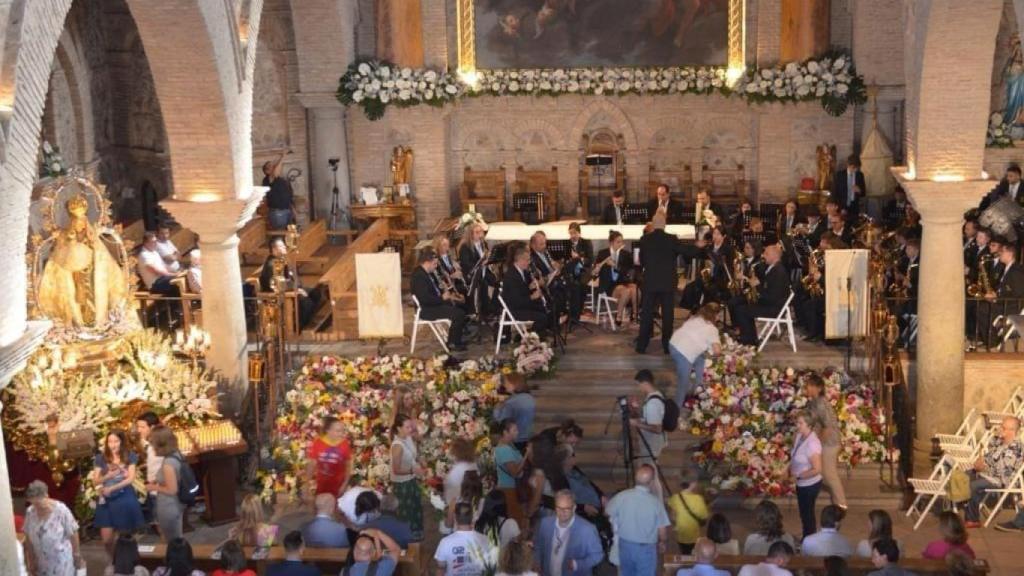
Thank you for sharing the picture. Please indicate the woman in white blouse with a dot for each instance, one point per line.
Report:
(805, 469)
(691, 344)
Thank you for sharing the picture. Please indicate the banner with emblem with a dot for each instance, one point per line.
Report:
(379, 295)
(846, 293)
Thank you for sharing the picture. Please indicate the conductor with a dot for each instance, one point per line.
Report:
(658, 254)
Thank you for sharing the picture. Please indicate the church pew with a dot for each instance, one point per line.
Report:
(340, 278)
(809, 565)
(328, 560)
(254, 240)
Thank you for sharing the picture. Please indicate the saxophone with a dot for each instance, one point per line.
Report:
(809, 281)
(751, 291)
(984, 284)
(735, 286)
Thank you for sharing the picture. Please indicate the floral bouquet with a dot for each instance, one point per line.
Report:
(373, 85)
(52, 164)
(998, 135)
(533, 356)
(744, 416)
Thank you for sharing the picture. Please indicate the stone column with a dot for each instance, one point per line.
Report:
(940, 302)
(216, 224)
(329, 139)
(12, 361)
(805, 29)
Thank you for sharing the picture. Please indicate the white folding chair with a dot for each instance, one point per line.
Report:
(604, 306)
(933, 487)
(969, 433)
(591, 302)
(785, 318)
(508, 320)
(1015, 488)
(438, 327)
(1014, 408)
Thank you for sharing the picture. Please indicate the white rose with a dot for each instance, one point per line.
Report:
(364, 69)
(827, 77)
(545, 85)
(599, 90)
(451, 89)
(638, 85)
(384, 98)
(47, 148)
(839, 64)
(995, 119)
(998, 132)
(55, 167)
(682, 86)
(421, 86)
(665, 83)
(791, 69)
(766, 73)
(529, 87)
(375, 85)
(812, 67)
(585, 85)
(406, 72)
(820, 91)
(803, 90)
(495, 87)
(513, 86)
(842, 88)
(652, 85)
(357, 96)
(385, 72)
(573, 86)
(609, 85)
(751, 88)
(701, 84)
(404, 94)
(778, 83)
(515, 74)
(717, 82)
(430, 76)
(623, 86)
(627, 73)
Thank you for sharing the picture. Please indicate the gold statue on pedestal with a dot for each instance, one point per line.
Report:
(81, 283)
(826, 166)
(401, 165)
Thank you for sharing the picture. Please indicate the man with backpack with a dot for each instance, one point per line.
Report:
(656, 417)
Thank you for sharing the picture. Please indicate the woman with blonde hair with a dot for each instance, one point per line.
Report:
(169, 509)
(516, 559)
(691, 344)
(251, 530)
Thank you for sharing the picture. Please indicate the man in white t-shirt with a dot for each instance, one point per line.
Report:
(465, 551)
(347, 507)
(167, 250)
(154, 273)
(195, 272)
(774, 564)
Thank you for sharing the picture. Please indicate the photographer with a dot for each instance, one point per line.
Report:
(649, 423)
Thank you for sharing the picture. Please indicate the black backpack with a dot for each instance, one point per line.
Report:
(188, 488)
(670, 420)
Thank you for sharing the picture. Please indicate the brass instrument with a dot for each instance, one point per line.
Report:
(751, 290)
(735, 281)
(809, 281)
(984, 284)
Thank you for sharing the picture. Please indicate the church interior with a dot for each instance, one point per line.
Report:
(377, 286)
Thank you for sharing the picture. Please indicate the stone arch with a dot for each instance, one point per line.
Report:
(616, 117)
(70, 62)
(526, 130)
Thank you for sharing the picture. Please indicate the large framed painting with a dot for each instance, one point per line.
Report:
(496, 34)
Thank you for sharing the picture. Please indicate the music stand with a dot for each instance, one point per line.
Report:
(599, 162)
(533, 202)
(634, 214)
(559, 249)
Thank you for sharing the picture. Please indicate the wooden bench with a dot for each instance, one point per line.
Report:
(810, 565)
(327, 560)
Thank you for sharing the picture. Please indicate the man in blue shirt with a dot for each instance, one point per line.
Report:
(564, 544)
(704, 554)
(520, 406)
(641, 524)
(324, 531)
(368, 504)
(292, 564)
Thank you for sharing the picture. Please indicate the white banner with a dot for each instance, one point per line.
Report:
(379, 294)
(846, 293)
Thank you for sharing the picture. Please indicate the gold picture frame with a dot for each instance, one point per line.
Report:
(464, 12)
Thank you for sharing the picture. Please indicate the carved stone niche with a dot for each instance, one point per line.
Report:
(598, 182)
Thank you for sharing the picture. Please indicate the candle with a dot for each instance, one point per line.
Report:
(179, 338)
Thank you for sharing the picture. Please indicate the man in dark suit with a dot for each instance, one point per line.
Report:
(615, 213)
(663, 203)
(848, 188)
(842, 229)
(1008, 187)
(773, 292)
(436, 304)
(658, 254)
(522, 294)
(1006, 296)
(816, 226)
(308, 301)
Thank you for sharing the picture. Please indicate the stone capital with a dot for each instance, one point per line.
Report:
(13, 356)
(942, 202)
(318, 100)
(216, 222)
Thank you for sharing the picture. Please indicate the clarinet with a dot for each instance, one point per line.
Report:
(534, 275)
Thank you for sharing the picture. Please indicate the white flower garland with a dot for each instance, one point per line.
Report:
(830, 79)
(998, 135)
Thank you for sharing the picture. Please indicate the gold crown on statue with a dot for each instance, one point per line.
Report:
(78, 203)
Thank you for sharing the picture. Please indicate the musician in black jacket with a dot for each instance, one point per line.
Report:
(522, 294)
(581, 258)
(473, 248)
(719, 256)
(663, 203)
(615, 213)
(436, 303)
(1009, 187)
(658, 254)
(848, 188)
(614, 270)
(307, 301)
(773, 292)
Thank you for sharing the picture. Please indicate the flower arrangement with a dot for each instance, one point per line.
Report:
(365, 393)
(52, 165)
(146, 371)
(534, 356)
(830, 79)
(745, 416)
(998, 135)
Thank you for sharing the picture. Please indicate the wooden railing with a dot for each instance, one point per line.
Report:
(327, 560)
(813, 565)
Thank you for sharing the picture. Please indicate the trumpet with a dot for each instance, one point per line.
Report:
(809, 281)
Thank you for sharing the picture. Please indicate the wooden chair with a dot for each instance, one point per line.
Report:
(679, 182)
(540, 181)
(726, 184)
(483, 188)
